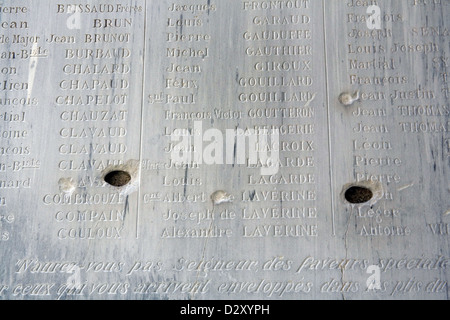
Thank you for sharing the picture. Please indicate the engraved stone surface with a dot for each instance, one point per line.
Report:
(232, 149)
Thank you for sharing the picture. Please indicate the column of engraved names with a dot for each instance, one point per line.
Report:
(93, 112)
(19, 160)
(277, 94)
(187, 52)
(423, 108)
(376, 157)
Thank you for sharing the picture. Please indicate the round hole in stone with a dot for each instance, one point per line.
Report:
(358, 195)
(118, 178)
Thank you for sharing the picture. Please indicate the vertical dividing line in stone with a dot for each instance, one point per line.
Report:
(327, 101)
(141, 151)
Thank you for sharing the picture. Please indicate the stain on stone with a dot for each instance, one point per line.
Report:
(252, 195)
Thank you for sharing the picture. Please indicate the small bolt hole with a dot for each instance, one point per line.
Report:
(358, 195)
(118, 178)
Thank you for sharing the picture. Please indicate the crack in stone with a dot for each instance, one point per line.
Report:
(346, 250)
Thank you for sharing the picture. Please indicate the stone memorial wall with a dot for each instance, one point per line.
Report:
(289, 149)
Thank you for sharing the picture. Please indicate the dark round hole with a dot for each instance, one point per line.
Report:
(118, 178)
(358, 195)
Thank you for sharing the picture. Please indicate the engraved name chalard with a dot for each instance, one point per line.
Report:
(232, 149)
